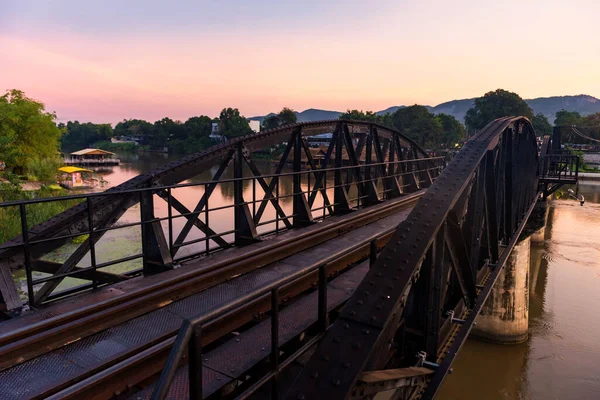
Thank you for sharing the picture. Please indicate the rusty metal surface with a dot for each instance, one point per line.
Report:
(371, 322)
(108, 346)
(231, 360)
(144, 295)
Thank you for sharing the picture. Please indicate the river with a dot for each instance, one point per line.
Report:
(561, 359)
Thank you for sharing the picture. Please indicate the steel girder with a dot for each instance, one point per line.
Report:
(106, 210)
(441, 262)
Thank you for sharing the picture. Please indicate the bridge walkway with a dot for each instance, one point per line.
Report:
(108, 339)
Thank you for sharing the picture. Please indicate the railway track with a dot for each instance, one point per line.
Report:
(27, 342)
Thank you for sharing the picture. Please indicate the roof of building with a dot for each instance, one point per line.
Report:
(70, 170)
(91, 151)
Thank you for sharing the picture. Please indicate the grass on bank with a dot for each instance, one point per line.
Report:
(10, 220)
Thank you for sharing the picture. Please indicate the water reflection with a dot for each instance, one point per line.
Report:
(561, 360)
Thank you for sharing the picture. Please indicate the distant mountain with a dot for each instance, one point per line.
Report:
(390, 110)
(312, 114)
(456, 108)
(548, 106)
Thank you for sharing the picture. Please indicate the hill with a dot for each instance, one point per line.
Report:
(549, 106)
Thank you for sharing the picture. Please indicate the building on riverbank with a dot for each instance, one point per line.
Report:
(91, 158)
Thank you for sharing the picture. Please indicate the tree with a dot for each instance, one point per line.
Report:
(419, 124)
(496, 104)
(134, 127)
(77, 135)
(567, 118)
(287, 116)
(541, 125)
(270, 122)
(453, 132)
(28, 133)
(197, 127)
(232, 124)
(360, 115)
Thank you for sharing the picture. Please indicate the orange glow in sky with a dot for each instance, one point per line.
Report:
(149, 59)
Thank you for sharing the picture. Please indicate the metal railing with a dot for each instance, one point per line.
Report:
(407, 174)
(559, 167)
(189, 337)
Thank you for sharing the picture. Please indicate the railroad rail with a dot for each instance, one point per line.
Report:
(365, 163)
(265, 310)
(105, 326)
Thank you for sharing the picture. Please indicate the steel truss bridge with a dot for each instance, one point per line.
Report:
(366, 276)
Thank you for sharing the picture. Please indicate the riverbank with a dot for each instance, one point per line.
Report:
(589, 176)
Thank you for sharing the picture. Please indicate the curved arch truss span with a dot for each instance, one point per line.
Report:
(433, 275)
(358, 164)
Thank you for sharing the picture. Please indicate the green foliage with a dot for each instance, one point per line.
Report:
(359, 115)
(270, 122)
(10, 220)
(567, 118)
(43, 169)
(232, 124)
(583, 166)
(134, 127)
(79, 136)
(114, 147)
(286, 116)
(541, 125)
(420, 125)
(453, 132)
(496, 104)
(28, 134)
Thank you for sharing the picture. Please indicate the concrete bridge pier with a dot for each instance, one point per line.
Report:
(504, 317)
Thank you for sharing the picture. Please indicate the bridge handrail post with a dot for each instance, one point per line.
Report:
(322, 295)
(26, 254)
(92, 241)
(372, 252)
(170, 220)
(206, 212)
(275, 341)
(195, 363)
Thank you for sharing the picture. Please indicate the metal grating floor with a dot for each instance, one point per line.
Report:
(62, 367)
(236, 356)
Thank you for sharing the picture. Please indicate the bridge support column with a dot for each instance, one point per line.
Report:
(505, 315)
(540, 217)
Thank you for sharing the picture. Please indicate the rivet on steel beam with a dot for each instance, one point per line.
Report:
(352, 312)
(366, 293)
(346, 364)
(359, 302)
(335, 382)
(325, 357)
(337, 339)
(365, 331)
(346, 326)
(356, 345)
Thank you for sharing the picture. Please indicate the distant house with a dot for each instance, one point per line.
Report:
(125, 139)
(319, 140)
(254, 125)
(215, 136)
(91, 157)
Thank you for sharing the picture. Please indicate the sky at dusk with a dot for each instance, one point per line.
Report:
(107, 60)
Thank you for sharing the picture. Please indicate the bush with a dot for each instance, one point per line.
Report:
(10, 218)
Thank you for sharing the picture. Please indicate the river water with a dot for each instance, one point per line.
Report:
(561, 359)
